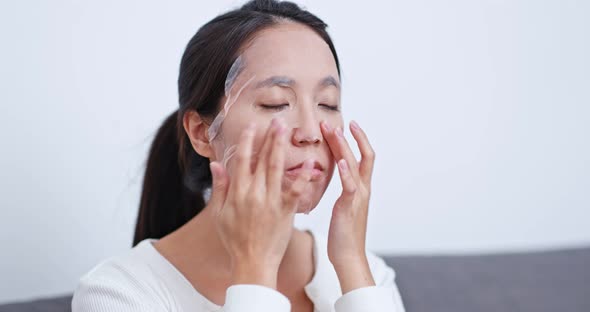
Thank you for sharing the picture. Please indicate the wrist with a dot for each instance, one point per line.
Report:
(349, 260)
(353, 274)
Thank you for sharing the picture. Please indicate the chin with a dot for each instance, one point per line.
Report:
(312, 194)
(310, 199)
(305, 209)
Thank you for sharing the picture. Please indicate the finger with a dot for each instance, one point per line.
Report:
(263, 154)
(328, 133)
(220, 185)
(299, 185)
(340, 148)
(348, 182)
(276, 162)
(367, 152)
(243, 158)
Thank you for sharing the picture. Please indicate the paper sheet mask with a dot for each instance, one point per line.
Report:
(251, 95)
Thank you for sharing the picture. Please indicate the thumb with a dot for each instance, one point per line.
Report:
(219, 185)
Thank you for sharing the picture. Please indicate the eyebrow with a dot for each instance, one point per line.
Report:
(283, 81)
(329, 81)
(280, 81)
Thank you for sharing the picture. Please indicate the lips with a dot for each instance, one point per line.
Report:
(316, 173)
(316, 165)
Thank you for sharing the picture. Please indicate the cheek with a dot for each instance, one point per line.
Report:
(334, 120)
(233, 126)
(259, 138)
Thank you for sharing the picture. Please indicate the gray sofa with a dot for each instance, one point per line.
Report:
(537, 282)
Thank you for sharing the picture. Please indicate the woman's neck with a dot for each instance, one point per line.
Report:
(196, 247)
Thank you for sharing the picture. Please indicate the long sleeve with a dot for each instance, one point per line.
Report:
(384, 296)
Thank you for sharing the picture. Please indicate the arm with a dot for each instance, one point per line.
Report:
(381, 296)
(254, 218)
(366, 287)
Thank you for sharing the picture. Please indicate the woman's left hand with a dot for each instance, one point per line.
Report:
(348, 227)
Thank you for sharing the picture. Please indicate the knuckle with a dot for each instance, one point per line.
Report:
(370, 153)
(241, 156)
(350, 190)
(239, 192)
(256, 198)
(274, 165)
(234, 202)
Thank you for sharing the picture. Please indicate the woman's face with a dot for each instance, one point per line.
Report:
(288, 72)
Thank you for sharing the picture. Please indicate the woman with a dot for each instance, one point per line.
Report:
(254, 141)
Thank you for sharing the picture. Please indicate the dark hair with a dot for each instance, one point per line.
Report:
(175, 175)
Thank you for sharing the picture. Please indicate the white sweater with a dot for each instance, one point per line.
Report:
(143, 280)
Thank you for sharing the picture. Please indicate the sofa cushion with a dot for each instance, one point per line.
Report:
(55, 304)
(533, 281)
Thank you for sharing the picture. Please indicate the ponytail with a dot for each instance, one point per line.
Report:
(173, 184)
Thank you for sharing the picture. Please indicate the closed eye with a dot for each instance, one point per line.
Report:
(275, 107)
(330, 107)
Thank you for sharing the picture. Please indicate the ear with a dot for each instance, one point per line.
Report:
(196, 130)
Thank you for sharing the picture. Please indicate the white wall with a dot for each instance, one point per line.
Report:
(479, 112)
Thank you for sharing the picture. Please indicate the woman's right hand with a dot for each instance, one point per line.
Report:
(254, 215)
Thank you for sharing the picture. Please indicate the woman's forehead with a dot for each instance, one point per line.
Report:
(289, 50)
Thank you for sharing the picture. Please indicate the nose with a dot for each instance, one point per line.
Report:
(302, 137)
(307, 132)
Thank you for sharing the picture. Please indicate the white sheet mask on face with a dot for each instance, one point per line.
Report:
(251, 96)
(233, 73)
(231, 98)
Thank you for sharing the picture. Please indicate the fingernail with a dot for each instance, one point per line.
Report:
(343, 165)
(327, 126)
(354, 125)
(339, 132)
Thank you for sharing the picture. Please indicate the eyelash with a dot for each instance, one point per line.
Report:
(281, 106)
(335, 108)
(274, 107)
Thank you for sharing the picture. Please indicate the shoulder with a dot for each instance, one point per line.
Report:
(121, 283)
